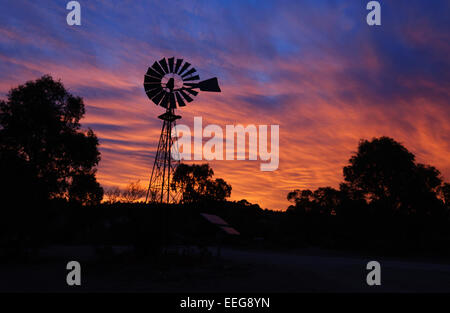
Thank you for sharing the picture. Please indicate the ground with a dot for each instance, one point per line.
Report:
(236, 270)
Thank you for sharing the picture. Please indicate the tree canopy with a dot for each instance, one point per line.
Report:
(43, 150)
(384, 171)
(196, 183)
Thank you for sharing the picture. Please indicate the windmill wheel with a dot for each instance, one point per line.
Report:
(169, 83)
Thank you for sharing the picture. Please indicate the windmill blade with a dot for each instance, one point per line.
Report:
(177, 66)
(163, 64)
(196, 77)
(158, 68)
(171, 64)
(186, 96)
(156, 99)
(153, 92)
(180, 100)
(151, 79)
(191, 71)
(149, 87)
(185, 67)
(149, 84)
(152, 72)
(173, 103)
(192, 92)
(211, 85)
(165, 101)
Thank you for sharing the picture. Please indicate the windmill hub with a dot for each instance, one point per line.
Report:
(171, 82)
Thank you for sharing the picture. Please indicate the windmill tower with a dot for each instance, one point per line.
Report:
(169, 83)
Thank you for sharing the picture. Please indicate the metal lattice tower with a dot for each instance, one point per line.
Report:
(166, 162)
(169, 83)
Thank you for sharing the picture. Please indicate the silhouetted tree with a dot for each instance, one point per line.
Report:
(303, 201)
(85, 189)
(43, 151)
(444, 193)
(218, 190)
(133, 192)
(327, 199)
(323, 201)
(113, 194)
(196, 183)
(385, 172)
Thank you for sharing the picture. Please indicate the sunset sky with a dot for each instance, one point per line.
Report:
(313, 67)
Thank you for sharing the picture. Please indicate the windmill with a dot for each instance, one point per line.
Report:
(170, 83)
